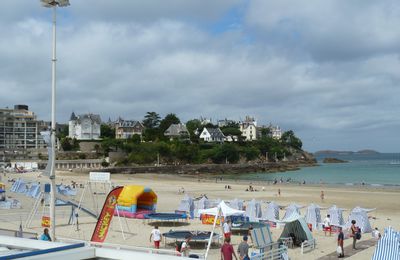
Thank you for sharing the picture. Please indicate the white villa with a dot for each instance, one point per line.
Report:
(249, 128)
(84, 127)
(276, 132)
(212, 135)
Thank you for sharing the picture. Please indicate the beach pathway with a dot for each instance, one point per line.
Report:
(348, 251)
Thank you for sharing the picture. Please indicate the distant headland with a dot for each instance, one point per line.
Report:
(325, 152)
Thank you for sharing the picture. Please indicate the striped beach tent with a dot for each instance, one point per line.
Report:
(236, 204)
(187, 205)
(313, 215)
(388, 246)
(361, 217)
(336, 215)
(271, 212)
(295, 225)
(290, 209)
(253, 210)
(200, 205)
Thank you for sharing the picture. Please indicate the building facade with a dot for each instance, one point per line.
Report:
(248, 127)
(84, 127)
(212, 135)
(20, 129)
(177, 131)
(125, 129)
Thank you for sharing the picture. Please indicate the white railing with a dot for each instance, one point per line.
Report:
(279, 253)
(147, 250)
(307, 246)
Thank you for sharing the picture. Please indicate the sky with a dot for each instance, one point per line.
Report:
(328, 70)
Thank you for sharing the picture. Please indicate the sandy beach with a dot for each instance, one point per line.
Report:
(385, 200)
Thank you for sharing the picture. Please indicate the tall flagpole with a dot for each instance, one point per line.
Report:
(53, 133)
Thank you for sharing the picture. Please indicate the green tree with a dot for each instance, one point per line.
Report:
(151, 120)
(107, 131)
(291, 140)
(251, 153)
(191, 126)
(63, 131)
(226, 153)
(167, 121)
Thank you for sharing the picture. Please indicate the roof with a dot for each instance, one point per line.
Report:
(93, 117)
(223, 210)
(128, 123)
(215, 133)
(73, 116)
(176, 130)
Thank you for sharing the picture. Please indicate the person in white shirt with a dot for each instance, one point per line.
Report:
(156, 234)
(327, 225)
(227, 229)
(185, 248)
(376, 234)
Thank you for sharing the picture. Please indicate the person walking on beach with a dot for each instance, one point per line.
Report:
(279, 192)
(45, 236)
(327, 225)
(227, 229)
(243, 249)
(156, 235)
(227, 250)
(340, 241)
(322, 196)
(353, 230)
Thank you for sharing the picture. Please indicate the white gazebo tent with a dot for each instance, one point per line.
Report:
(271, 212)
(221, 210)
(336, 216)
(253, 210)
(361, 217)
(313, 215)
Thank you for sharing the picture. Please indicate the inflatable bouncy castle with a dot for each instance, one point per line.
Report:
(135, 202)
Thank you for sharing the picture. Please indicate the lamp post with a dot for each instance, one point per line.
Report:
(52, 175)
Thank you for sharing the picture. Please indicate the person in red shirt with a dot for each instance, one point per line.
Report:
(227, 250)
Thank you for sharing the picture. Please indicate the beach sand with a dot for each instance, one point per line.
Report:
(385, 200)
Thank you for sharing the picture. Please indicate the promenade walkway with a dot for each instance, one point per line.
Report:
(348, 251)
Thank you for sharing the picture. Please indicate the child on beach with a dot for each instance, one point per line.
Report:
(156, 235)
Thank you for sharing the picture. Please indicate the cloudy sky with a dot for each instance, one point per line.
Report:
(329, 70)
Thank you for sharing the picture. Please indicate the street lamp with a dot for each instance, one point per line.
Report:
(52, 156)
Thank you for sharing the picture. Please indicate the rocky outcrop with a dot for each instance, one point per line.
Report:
(333, 160)
(214, 168)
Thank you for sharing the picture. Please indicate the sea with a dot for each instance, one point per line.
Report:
(381, 169)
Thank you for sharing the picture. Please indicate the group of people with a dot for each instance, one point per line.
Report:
(355, 234)
(182, 248)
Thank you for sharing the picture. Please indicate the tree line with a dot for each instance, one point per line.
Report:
(153, 146)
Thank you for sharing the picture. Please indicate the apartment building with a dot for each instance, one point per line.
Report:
(20, 129)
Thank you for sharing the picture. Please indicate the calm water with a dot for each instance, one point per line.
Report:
(375, 170)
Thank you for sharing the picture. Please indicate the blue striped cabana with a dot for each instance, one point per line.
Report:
(388, 246)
